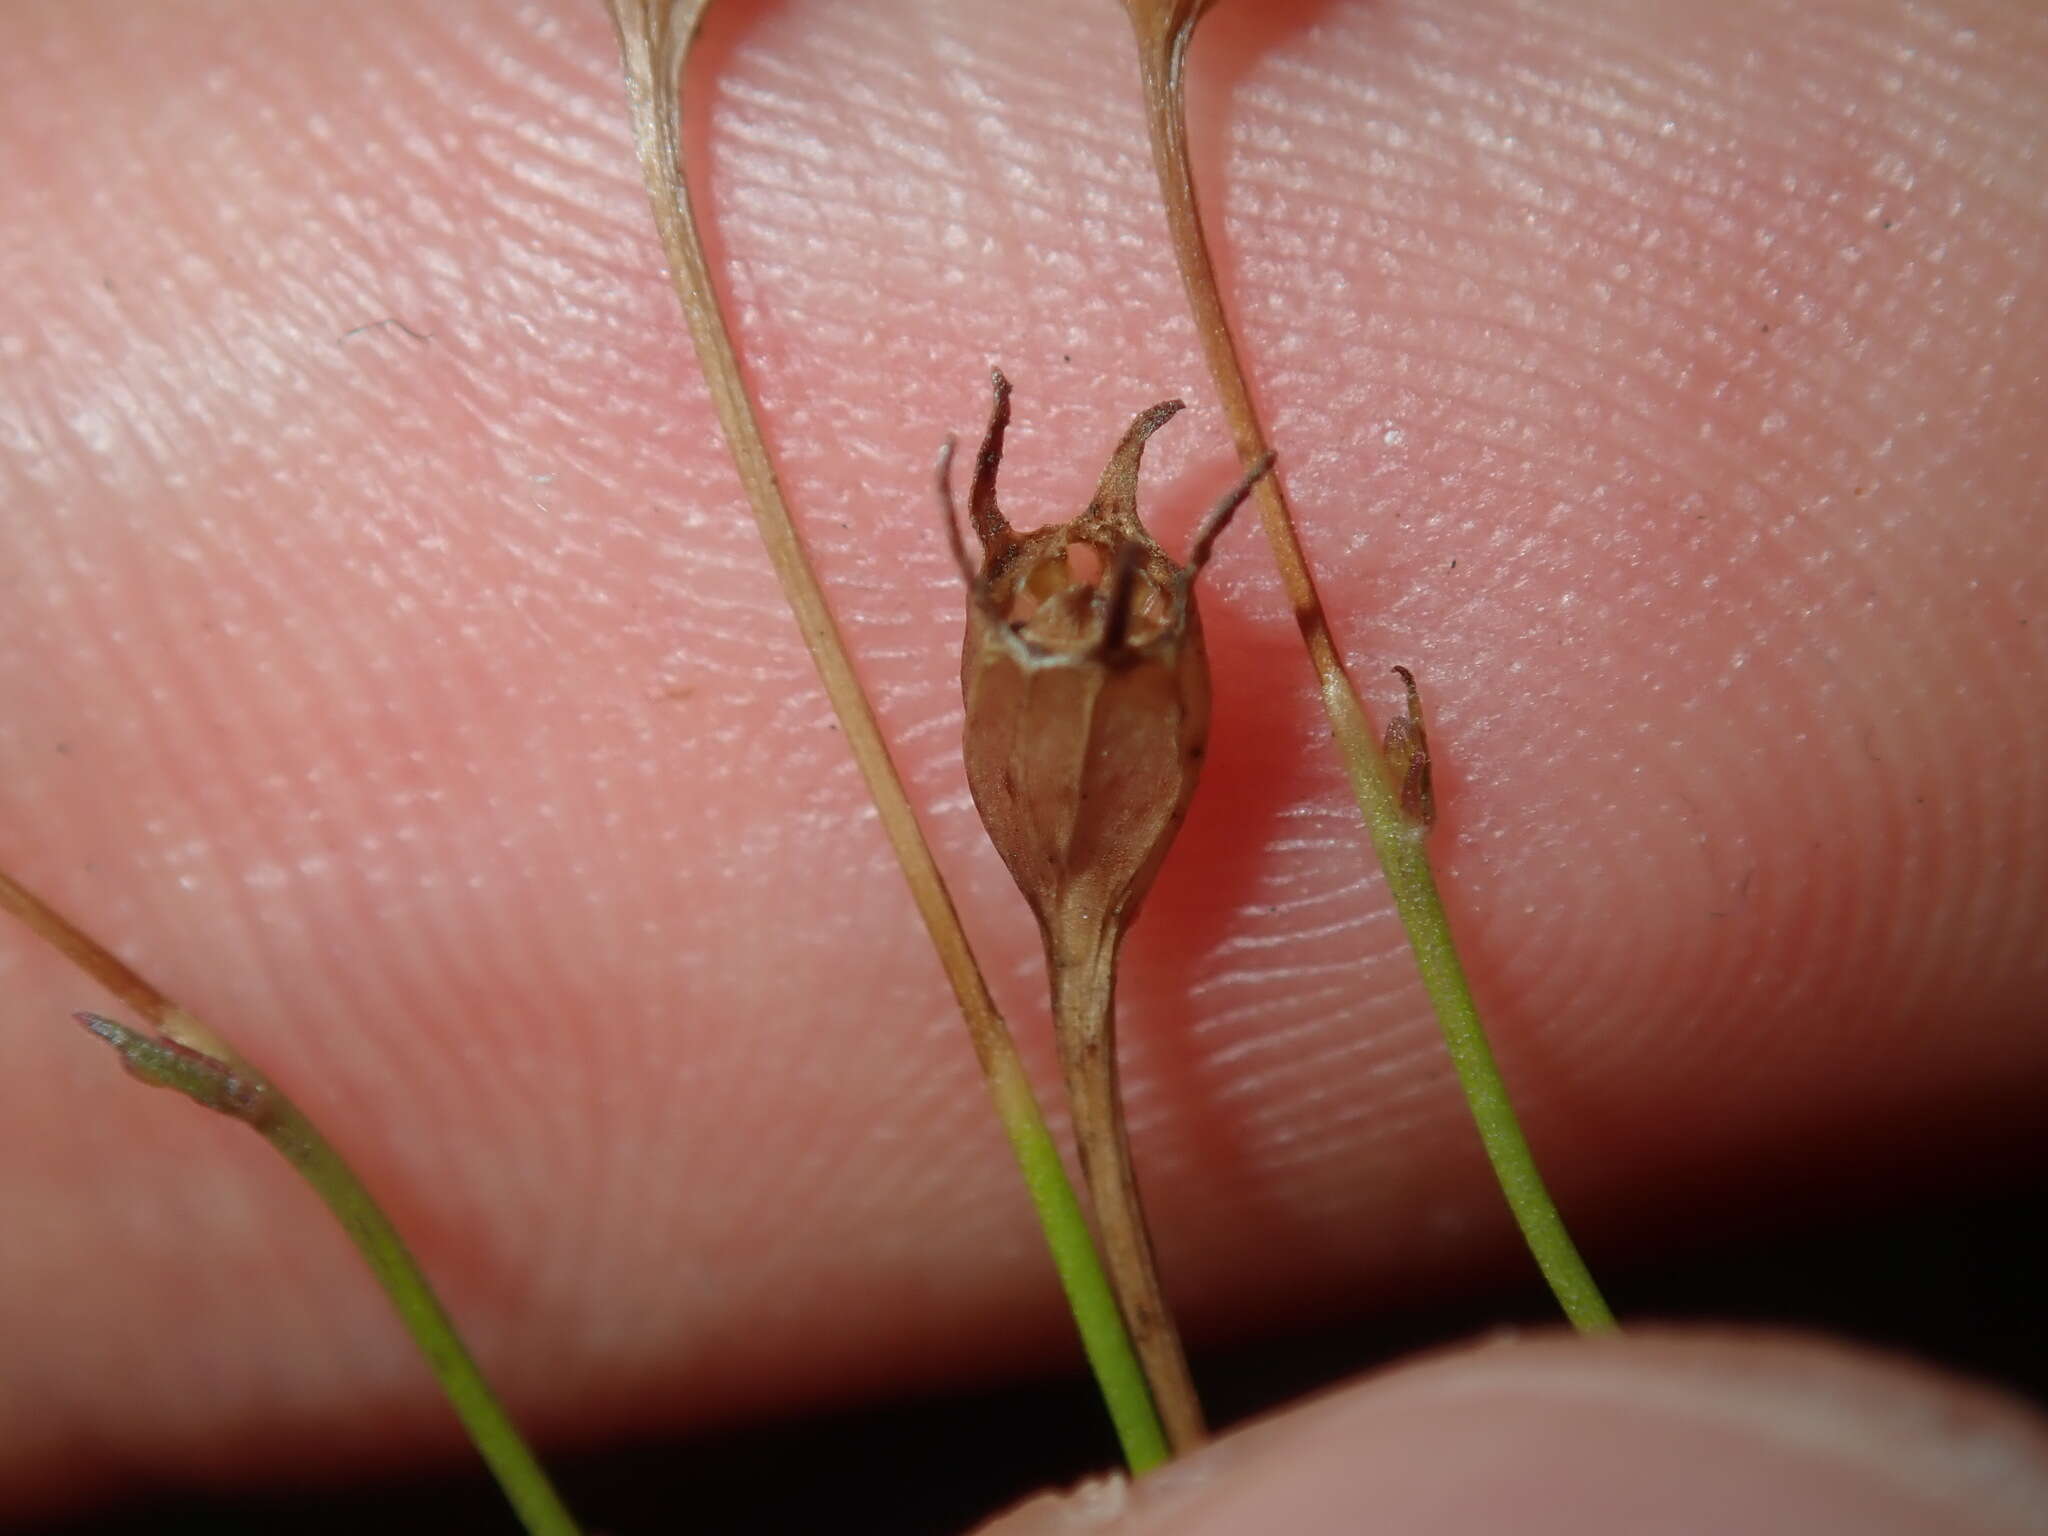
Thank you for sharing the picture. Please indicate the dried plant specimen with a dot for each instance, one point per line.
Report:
(1087, 715)
(655, 37)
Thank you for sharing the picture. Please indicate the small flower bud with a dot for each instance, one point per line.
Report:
(1087, 690)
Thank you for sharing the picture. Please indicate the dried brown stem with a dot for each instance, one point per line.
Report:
(1164, 29)
(1083, 972)
(111, 972)
(655, 38)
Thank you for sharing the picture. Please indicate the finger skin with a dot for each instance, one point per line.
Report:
(412, 700)
(1653, 1434)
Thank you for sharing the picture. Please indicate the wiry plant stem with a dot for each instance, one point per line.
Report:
(1084, 1023)
(1164, 29)
(655, 39)
(194, 1061)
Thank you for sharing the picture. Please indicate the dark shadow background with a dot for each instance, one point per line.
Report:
(1959, 1283)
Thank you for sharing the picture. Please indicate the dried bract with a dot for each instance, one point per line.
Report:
(1407, 749)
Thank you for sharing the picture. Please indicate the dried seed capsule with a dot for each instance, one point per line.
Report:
(1087, 690)
(1087, 694)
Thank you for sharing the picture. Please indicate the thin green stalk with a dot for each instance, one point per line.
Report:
(1164, 29)
(519, 1474)
(190, 1059)
(1399, 843)
(654, 39)
(1103, 1335)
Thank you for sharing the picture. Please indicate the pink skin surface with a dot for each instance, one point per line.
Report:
(1651, 1434)
(413, 699)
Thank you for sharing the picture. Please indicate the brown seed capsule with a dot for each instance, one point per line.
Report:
(1087, 693)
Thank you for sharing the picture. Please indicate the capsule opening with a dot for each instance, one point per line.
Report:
(1086, 562)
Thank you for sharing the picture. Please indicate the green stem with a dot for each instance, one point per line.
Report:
(519, 1474)
(1118, 1375)
(1399, 843)
(1164, 29)
(233, 1088)
(191, 1059)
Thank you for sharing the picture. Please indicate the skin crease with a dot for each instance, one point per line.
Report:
(414, 702)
